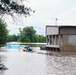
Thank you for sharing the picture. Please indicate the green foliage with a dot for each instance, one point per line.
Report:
(12, 38)
(41, 38)
(10, 7)
(3, 32)
(28, 34)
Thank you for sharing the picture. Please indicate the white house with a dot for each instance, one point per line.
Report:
(61, 38)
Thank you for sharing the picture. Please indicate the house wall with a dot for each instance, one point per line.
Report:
(69, 43)
(54, 40)
(63, 38)
(68, 30)
(68, 40)
(72, 40)
(52, 30)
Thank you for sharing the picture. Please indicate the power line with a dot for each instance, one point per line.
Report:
(18, 28)
(24, 25)
(33, 26)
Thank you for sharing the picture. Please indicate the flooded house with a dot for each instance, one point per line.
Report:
(61, 38)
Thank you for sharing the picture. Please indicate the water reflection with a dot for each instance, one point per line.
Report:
(2, 66)
(63, 65)
(37, 63)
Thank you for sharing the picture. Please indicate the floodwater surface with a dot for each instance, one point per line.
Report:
(37, 63)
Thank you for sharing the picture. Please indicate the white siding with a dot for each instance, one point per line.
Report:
(52, 30)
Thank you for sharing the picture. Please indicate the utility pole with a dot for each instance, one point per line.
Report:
(56, 21)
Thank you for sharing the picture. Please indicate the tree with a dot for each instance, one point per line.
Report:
(3, 32)
(12, 38)
(41, 38)
(10, 7)
(27, 34)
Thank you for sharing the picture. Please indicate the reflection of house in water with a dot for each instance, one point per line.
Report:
(61, 38)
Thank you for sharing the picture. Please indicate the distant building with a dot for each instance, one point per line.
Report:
(61, 38)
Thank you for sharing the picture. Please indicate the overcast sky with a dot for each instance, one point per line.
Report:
(46, 13)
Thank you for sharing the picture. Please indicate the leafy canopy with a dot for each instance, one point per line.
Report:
(11, 6)
(3, 32)
(27, 34)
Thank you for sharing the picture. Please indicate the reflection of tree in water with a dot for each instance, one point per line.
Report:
(63, 65)
(2, 66)
(2, 58)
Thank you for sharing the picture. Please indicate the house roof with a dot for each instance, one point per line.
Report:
(60, 26)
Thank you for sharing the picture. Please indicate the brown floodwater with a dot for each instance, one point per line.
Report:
(37, 63)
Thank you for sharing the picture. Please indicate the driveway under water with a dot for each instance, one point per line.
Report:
(37, 63)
